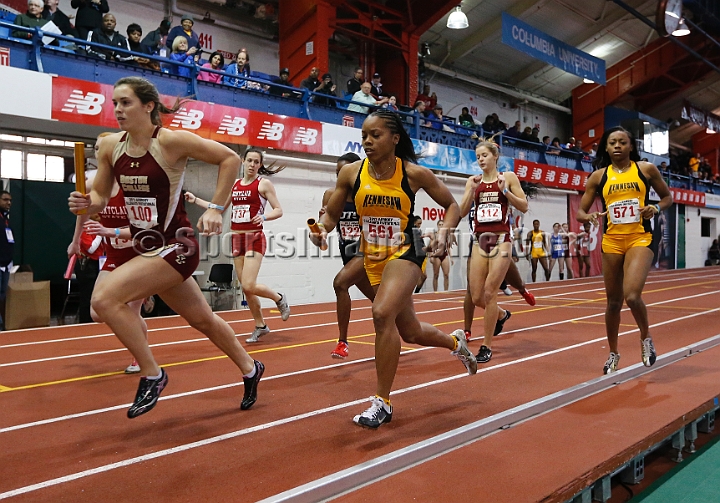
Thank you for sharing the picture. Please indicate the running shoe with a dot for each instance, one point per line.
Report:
(257, 333)
(463, 353)
(499, 324)
(341, 351)
(611, 364)
(378, 413)
(283, 307)
(251, 385)
(467, 335)
(484, 354)
(133, 368)
(507, 291)
(529, 298)
(648, 352)
(147, 394)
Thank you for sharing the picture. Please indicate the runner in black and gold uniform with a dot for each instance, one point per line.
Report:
(383, 187)
(623, 182)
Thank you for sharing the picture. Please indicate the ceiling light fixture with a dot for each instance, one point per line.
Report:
(681, 30)
(457, 20)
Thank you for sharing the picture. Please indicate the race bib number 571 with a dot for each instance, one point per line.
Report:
(624, 212)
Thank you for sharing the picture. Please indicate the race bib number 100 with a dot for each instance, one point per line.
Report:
(142, 212)
(382, 231)
(624, 212)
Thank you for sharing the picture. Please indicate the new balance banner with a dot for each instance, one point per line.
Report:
(550, 176)
(91, 103)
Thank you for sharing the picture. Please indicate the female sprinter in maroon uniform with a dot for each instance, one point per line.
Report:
(249, 196)
(115, 231)
(491, 192)
(149, 164)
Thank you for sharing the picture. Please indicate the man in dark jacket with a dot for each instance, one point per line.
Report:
(108, 36)
(155, 40)
(7, 244)
(59, 18)
(185, 29)
(327, 87)
(89, 15)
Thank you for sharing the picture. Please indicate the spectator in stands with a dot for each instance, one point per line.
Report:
(59, 18)
(216, 62)
(593, 150)
(156, 39)
(551, 147)
(430, 100)
(181, 54)
(578, 147)
(490, 126)
(285, 81)
(466, 119)
(353, 85)
(89, 15)
(527, 134)
(663, 166)
(377, 87)
(134, 33)
(392, 103)
(326, 87)
(534, 135)
(419, 111)
(241, 68)
(437, 123)
(514, 131)
(364, 96)
(501, 126)
(312, 83)
(32, 18)
(108, 36)
(570, 144)
(185, 30)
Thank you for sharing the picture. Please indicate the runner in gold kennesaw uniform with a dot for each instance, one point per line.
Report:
(623, 183)
(383, 187)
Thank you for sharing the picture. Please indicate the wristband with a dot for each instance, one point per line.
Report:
(264, 217)
(505, 190)
(214, 206)
(117, 232)
(657, 207)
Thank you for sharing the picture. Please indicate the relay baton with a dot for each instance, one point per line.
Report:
(315, 229)
(80, 170)
(70, 267)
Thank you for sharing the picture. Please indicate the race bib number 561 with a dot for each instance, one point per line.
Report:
(382, 231)
(142, 212)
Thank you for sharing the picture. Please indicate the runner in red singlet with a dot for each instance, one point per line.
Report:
(149, 164)
(248, 197)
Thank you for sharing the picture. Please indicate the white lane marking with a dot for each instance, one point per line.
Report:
(280, 422)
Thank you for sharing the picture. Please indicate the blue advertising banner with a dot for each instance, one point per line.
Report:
(539, 45)
(453, 159)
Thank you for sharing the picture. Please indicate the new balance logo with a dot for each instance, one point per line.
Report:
(306, 136)
(233, 126)
(188, 119)
(86, 104)
(271, 131)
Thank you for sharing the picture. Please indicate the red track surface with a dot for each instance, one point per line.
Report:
(64, 435)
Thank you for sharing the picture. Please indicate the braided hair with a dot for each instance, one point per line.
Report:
(405, 149)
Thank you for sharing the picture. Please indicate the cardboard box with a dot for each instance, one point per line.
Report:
(21, 277)
(27, 305)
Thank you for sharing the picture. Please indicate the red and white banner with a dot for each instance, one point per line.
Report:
(550, 176)
(91, 103)
(4, 56)
(689, 197)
